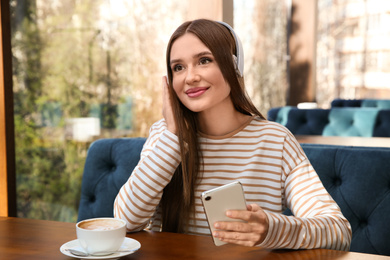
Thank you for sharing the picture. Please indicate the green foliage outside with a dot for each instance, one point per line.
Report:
(72, 59)
(48, 169)
(48, 175)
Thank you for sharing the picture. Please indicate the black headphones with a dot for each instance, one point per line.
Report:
(239, 57)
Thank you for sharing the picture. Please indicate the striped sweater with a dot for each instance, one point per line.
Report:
(266, 158)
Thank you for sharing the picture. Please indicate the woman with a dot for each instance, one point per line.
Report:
(211, 135)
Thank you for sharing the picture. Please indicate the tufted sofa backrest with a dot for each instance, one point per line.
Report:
(358, 179)
(382, 124)
(307, 121)
(300, 121)
(337, 121)
(279, 114)
(108, 165)
(377, 103)
(346, 103)
(351, 122)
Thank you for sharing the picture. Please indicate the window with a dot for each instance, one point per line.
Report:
(84, 70)
(356, 46)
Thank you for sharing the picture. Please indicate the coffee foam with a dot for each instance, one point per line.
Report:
(100, 224)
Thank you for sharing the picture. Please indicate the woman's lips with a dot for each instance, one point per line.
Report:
(196, 92)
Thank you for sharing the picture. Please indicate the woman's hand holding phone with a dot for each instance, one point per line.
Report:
(167, 110)
(251, 232)
(230, 219)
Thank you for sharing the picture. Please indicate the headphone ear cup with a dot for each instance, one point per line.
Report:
(239, 57)
(235, 62)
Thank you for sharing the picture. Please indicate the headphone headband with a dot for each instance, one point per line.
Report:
(238, 58)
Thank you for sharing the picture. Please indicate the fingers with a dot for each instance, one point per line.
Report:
(233, 226)
(250, 231)
(242, 227)
(245, 239)
(165, 94)
(167, 110)
(248, 215)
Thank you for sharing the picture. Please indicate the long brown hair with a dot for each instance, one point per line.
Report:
(178, 199)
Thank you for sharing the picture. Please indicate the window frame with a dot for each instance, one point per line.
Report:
(7, 138)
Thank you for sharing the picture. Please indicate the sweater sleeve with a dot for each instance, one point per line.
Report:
(139, 197)
(317, 221)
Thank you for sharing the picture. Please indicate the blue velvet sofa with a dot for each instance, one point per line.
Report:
(337, 121)
(378, 103)
(358, 178)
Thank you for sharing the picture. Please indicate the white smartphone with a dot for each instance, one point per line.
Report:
(217, 201)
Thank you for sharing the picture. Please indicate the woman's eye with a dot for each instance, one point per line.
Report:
(204, 61)
(177, 68)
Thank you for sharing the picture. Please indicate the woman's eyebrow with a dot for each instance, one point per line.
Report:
(200, 54)
(174, 61)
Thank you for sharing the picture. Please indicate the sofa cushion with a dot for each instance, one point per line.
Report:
(382, 125)
(358, 179)
(279, 114)
(108, 165)
(346, 103)
(272, 114)
(282, 115)
(307, 121)
(378, 103)
(351, 122)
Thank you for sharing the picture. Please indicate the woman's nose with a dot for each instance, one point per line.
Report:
(192, 76)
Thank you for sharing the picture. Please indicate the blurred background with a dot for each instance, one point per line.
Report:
(91, 69)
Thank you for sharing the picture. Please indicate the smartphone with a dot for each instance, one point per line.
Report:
(217, 201)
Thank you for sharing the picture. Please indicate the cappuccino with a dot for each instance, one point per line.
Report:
(101, 224)
(101, 234)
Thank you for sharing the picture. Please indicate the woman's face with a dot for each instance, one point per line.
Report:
(196, 77)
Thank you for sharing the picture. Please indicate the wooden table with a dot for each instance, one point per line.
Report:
(41, 239)
(344, 140)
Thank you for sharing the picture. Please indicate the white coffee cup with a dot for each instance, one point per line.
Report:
(98, 235)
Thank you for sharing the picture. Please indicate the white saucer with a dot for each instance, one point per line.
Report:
(128, 244)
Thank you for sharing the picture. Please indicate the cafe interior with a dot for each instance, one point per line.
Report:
(70, 132)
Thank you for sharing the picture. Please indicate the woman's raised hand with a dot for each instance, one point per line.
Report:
(167, 110)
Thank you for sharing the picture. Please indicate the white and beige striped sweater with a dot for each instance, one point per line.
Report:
(266, 158)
